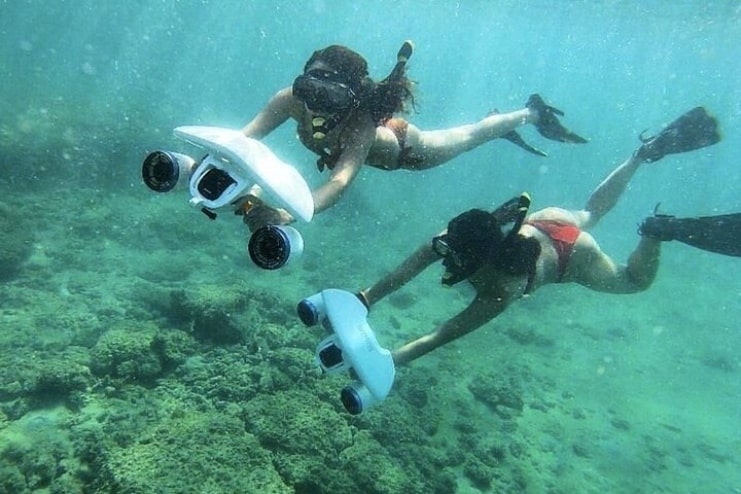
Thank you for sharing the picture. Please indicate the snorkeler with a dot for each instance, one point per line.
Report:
(507, 254)
(347, 119)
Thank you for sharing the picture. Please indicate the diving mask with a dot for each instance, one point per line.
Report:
(325, 91)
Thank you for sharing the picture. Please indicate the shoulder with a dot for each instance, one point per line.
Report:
(284, 95)
(285, 100)
(285, 92)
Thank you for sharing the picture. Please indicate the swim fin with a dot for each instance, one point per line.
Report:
(548, 125)
(720, 234)
(694, 130)
(515, 138)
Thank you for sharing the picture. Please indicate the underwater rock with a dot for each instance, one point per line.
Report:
(211, 313)
(38, 464)
(61, 381)
(222, 315)
(290, 368)
(173, 347)
(296, 422)
(395, 424)
(500, 393)
(479, 473)
(373, 470)
(444, 481)
(416, 388)
(309, 441)
(221, 375)
(37, 448)
(173, 458)
(237, 373)
(126, 353)
(34, 380)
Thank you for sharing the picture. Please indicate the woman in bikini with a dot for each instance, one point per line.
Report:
(548, 246)
(347, 119)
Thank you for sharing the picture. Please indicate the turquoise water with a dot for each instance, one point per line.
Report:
(142, 352)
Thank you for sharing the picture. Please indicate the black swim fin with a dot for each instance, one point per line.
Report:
(548, 124)
(515, 138)
(694, 130)
(720, 234)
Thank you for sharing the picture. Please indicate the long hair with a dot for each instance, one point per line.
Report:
(345, 61)
(390, 96)
(382, 99)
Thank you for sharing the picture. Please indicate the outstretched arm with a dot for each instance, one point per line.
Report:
(479, 312)
(356, 142)
(355, 150)
(279, 109)
(407, 270)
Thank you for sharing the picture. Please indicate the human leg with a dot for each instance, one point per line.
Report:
(428, 149)
(693, 130)
(604, 197)
(435, 147)
(643, 263)
(591, 267)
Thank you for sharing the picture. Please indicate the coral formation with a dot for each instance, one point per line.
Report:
(125, 353)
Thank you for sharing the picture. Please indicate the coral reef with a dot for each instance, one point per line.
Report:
(225, 315)
(500, 392)
(30, 380)
(126, 353)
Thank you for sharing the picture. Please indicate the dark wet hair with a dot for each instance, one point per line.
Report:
(383, 98)
(390, 96)
(476, 237)
(473, 233)
(516, 255)
(348, 63)
(470, 238)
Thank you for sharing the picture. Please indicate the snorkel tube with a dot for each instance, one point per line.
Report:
(513, 211)
(402, 57)
(516, 254)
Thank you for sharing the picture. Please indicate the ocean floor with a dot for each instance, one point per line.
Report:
(141, 352)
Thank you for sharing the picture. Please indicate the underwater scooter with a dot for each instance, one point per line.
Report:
(351, 346)
(237, 174)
